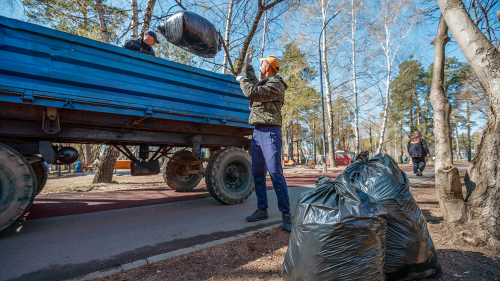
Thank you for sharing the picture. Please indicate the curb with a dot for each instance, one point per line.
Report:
(161, 257)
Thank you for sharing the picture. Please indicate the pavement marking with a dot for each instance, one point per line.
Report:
(165, 256)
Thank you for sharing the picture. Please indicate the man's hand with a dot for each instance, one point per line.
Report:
(428, 155)
(241, 76)
(249, 58)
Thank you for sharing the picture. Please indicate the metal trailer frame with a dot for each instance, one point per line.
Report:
(61, 88)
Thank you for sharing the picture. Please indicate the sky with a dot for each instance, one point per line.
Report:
(420, 37)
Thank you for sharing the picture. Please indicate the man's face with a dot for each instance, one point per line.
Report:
(149, 40)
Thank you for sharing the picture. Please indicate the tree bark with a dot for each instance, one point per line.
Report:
(354, 85)
(448, 186)
(104, 172)
(148, 14)
(253, 29)
(264, 35)
(458, 144)
(483, 206)
(88, 154)
(135, 18)
(226, 35)
(102, 21)
(331, 144)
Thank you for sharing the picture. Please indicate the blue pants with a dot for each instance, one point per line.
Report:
(266, 156)
(418, 163)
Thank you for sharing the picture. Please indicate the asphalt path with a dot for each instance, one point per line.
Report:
(61, 247)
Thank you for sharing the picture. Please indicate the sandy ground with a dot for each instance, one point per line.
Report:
(259, 257)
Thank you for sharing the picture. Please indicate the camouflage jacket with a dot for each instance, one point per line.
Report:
(266, 98)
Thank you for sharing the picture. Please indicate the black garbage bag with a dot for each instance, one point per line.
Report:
(410, 250)
(193, 33)
(338, 233)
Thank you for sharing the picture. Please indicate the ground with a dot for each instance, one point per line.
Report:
(259, 257)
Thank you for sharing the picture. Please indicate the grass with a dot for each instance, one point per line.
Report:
(74, 188)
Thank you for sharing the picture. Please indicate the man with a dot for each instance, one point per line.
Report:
(266, 99)
(405, 159)
(417, 149)
(143, 45)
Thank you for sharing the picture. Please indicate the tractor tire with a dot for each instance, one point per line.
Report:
(208, 172)
(17, 186)
(229, 176)
(41, 175)
(173, 172)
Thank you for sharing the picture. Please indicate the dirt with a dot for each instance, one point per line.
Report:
(259, 257)
(82, 182)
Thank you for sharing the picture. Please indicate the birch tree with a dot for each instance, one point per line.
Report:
(102, 21)
(135, 18)
(148, 14)
(226, 35)
(396, 23)
(476, 220)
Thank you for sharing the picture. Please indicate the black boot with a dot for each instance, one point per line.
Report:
(287, 221)
(260, 214)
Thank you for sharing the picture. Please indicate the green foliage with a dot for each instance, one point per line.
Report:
(77, 17)
(171, 52)
(300, 98)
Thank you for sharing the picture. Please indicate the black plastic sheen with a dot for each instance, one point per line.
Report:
(193, 33)
(410, 250)
(338, 233)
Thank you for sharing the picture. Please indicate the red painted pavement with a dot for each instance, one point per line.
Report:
(46, 206)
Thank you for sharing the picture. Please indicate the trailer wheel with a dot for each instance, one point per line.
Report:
(17, 186)
(174, 173)
(229, 176)
(41, 175)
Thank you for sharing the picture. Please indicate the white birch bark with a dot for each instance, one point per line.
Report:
(102, 21)
(392, 15)
(264, 35)
(354, 76)
(148, 14)
(483, 207)
(135, 18)
(226, 35)
(331, 145)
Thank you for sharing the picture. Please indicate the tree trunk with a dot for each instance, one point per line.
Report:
(386, 107)
(226, 35)
(264, 35)
(104, 172)
(458, 144)
(482, 225)
(88, 154)
(135, 18)
(354, 86)
(331, 144)
(148, 14)
(102, 21)
(448, 186)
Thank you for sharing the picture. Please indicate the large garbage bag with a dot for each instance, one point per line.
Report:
(410, 250)
(193, 33)
(338, 233)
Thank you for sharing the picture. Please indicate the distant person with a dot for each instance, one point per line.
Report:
(78, 166)
(405, 159)
(418, 150)
(267, 96)
(143, 44)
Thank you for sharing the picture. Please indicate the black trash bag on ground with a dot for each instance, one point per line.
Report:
(410, 250)
(338, 233)
(193, 33)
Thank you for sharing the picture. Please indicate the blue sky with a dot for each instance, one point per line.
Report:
(420, 37)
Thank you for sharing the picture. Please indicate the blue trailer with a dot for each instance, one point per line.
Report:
(60, 88)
